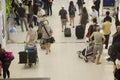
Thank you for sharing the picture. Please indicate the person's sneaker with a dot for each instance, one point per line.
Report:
(46, 53)
(98, 63)
(109, 59)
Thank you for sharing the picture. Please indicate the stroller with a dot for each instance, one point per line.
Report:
(86, 53)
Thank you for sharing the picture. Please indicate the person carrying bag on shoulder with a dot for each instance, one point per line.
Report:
(6, 59)
(47, 35)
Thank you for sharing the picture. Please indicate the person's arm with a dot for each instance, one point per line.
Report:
(91, 36)
(66, 16)
(27, 37)
(51, 32)
(36, 37)
(103, 38)
(59, 12)
(80, 18)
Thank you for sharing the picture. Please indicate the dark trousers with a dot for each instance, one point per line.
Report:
(17, 19)
(6, 71)
(49, 11)
(106, 41)
(23, 20)
(35, 20)
(30, 18)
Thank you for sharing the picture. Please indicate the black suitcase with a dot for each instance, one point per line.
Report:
(32, 56)
(67, 32)
(22, 57)
(79, 32)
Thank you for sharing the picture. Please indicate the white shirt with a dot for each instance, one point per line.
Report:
(117, 62)
(94, 14)
(40, 14)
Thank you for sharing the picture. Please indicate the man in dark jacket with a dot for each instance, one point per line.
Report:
(21, 12)
(115, 46)
(108, 17)
(35, 10)
(97, 5)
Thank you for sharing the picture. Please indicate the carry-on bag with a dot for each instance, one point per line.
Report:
(67, 32)
(79, 32)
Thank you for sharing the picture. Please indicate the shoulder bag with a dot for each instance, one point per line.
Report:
(52, 40)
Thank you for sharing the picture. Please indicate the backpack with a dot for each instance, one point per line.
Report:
(9, 56)
(72, 10)
(94, 27)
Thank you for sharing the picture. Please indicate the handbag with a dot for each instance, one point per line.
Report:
(9, 56)
(52, 40)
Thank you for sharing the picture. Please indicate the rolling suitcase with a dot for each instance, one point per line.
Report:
(79, 32)
(32, 57)
(22, 57)
(67, 32)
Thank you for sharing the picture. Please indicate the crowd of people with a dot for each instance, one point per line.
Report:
(36, 12)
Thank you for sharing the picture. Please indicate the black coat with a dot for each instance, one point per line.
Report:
(97, 5)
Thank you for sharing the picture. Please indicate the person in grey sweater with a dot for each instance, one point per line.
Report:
(46, 37)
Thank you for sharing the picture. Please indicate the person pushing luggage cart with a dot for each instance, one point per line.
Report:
(29, 55)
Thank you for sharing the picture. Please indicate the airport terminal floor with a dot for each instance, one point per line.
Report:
(62, 63)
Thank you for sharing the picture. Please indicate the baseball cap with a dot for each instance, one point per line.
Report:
(63, 6)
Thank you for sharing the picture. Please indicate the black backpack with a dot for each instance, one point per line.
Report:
(94, 28)
(72, 10)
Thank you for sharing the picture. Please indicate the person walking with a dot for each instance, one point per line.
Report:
(30, 12)
(35, 10)
(99, 39)
(97, 5)
(72, 10)
(94, 14)
(115, 47)
(107, 31)
(46, 6)
(117, 21)
(107, 17)
(5, 63)
(80, 5)
(92, 28)
(64, 17)
(21, 12)
(40, 14)
(84, 18)
(50, 3)
(46, 34)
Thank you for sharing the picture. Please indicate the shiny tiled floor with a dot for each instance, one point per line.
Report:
(63, 62)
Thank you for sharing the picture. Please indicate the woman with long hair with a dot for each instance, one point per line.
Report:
(72, 10)
(84, 17)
